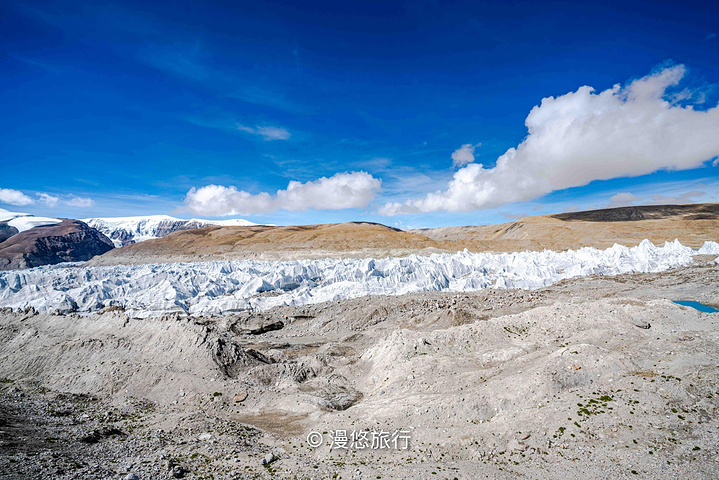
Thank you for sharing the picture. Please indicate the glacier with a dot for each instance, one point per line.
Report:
(221, 287)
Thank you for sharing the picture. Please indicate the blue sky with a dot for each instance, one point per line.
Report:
(135, 108)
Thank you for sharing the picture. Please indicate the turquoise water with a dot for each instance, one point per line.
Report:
(697, 306)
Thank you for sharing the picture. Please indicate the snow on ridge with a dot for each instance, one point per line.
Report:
(152, 219)
(219, 287)
(126, 230)
(30, 221)
(6, 215)
(232, 222)
(25, 221)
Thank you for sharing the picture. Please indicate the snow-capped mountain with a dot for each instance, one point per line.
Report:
(127, 230)
(25, 221)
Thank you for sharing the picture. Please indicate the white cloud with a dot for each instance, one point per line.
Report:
(342, 190)
(623, 199)
(584, 136)
(79, 202)
(463, 155)
(267, 133)
(14, 197)
(688, 197)
(48, 199)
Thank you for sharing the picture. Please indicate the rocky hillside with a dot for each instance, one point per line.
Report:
(6, 231)
(68, 241)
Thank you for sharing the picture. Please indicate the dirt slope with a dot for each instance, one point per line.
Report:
(691, 224)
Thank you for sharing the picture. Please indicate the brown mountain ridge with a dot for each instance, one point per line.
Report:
(691, 224)
(67, 241)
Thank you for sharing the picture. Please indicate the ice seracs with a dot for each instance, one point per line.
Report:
(214, 288)
(709, 248)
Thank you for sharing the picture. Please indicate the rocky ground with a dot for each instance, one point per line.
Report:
(600, 377)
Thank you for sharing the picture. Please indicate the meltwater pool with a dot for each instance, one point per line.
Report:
(696, 305)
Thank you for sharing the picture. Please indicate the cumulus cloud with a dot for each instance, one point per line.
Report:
(688, 197)
(463, 155)
(625, 199)
(79, 202)
(14, 197)
(584, 136)
(48, 199)
(267, 133)
(342, 190)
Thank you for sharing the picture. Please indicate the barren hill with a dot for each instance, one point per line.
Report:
(353, 239)
(691, 224)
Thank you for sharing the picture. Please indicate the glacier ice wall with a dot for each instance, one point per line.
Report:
(214, 288)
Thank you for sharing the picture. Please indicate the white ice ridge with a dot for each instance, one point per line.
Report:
(214, 288)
